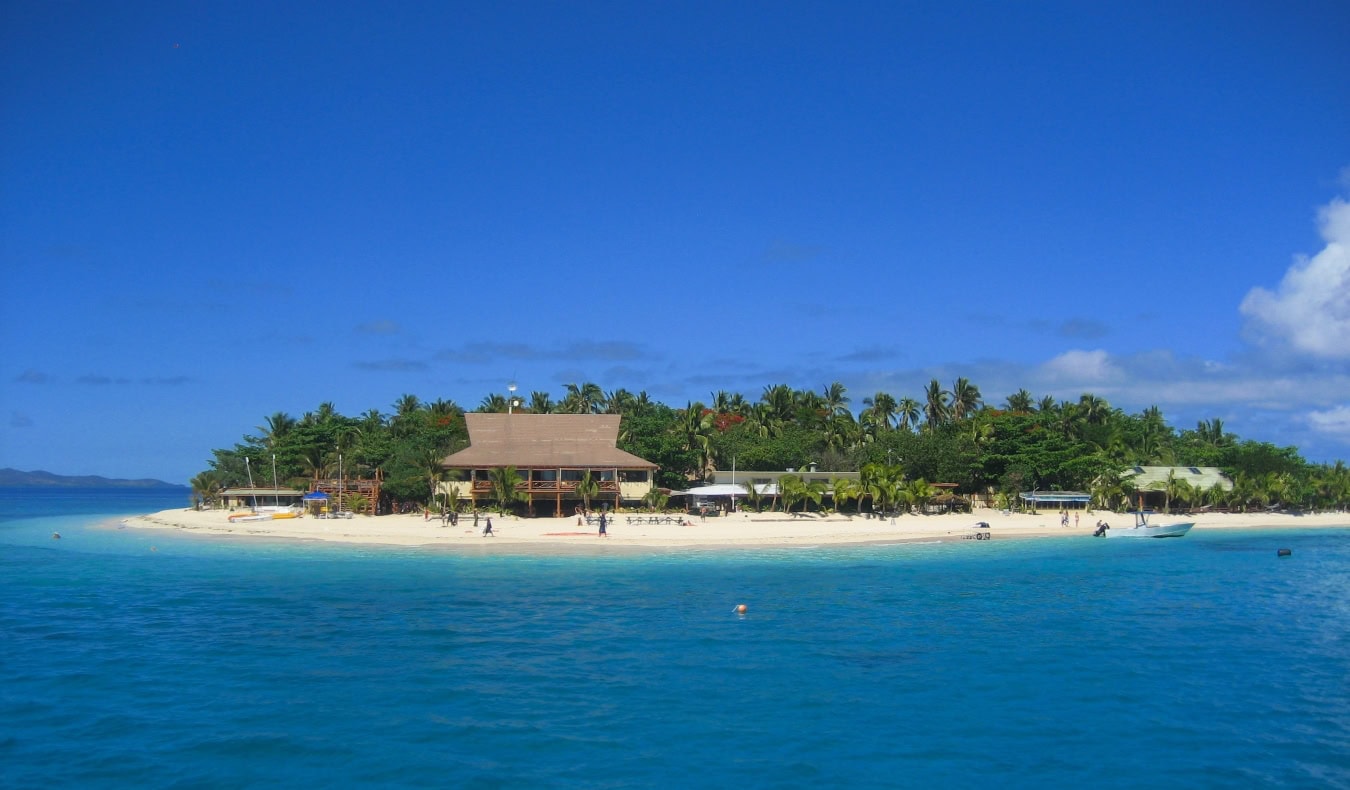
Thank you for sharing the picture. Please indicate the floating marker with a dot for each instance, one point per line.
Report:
(1283, 553)
(741, 608)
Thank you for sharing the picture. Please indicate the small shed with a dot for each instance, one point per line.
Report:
(260, 497)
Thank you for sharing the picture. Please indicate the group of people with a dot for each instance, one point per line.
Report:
(450, 518)
(583, 513)
(1064, 519)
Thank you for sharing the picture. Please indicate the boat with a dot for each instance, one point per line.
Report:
(1143, 529)
(237, 517)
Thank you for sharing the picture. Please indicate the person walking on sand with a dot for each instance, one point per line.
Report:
(603, 522)
(487, 530)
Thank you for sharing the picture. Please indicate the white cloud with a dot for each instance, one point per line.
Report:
(1310, 310)
(1087, 367)
(1334, 422)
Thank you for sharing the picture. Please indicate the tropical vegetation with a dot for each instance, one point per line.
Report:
(900, 446)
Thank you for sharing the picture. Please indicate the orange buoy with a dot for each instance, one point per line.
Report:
(741, 608)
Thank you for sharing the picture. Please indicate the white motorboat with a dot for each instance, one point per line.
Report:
(1143, 529)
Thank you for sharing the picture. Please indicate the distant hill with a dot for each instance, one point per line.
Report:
(13, 478)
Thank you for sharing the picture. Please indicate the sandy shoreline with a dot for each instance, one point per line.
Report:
(745, 530)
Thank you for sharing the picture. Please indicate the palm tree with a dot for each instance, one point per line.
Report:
(839, 431)
(791, 489)
(586, 398)
(315, 461)
(406, 405)
(451, 498)
(781, 402)
(587, 487)
(880, 410)
(907, 412)
(620, 401)
(655, 499)
(278, 425)
(1155, 431)
(206, 487)
(845, 490)
(357, 503)
(761, 422)
(836, 401)
(965, 399)
(434, 471)
(1211, 432)
(878, 481)
(540, 403)
(441, 408)
(1094, 410)
(326, 413)
(504, 481)
(937, 405)
(493, 404)
(1106, 489)
(696, 427)
(1020, 402)
(918, 494)
(813, 491)
(753, 496)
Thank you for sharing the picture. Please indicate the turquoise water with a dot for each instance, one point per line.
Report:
(1200, 662)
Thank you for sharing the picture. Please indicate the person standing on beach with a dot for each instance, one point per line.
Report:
(603, 522)
(487, 530)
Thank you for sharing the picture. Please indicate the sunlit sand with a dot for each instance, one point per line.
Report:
(639, 530)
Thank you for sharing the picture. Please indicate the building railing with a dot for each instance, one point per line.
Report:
(544, 486)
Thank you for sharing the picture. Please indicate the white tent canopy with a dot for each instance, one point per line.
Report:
(727, 489)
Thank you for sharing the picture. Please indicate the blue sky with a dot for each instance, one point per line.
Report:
(211, 212)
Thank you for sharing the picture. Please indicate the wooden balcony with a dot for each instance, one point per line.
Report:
(565, 487)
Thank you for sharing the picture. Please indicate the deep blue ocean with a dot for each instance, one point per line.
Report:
(153, 659)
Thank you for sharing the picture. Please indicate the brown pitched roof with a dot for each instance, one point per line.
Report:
(543, 440)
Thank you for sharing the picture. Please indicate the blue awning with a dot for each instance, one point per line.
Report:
(314, 496)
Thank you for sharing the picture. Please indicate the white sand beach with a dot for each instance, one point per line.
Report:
(734, 530)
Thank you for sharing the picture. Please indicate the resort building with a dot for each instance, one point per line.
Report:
(244, 497)
(1056, 500)
(761, 478)
(551, 453)
(1151, 481)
